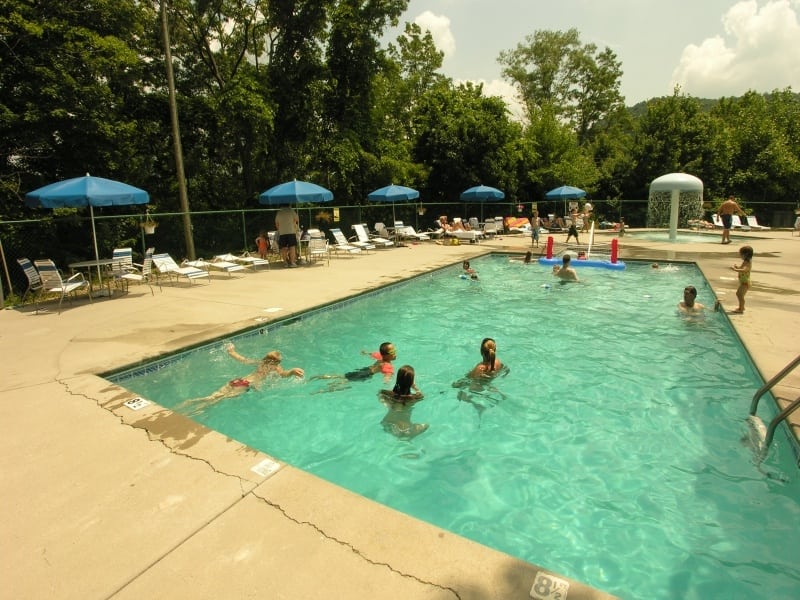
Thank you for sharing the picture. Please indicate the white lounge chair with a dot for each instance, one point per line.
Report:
(408, 232)
(468, 236)
(518, 225)
(122, 265)
(318, 249)
(363, 236)
(340, 243)
(35, 285)
(736, 223)
(752, 221)
(53, 283)
(490, 228)
(217, 264)
(796, 226)
(166, 266)
(142, 274)
(245, 259)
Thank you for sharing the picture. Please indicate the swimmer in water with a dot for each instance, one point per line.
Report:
(565, 271)
(688, 305)
(399, 402)
(383, 364)
(269, 365)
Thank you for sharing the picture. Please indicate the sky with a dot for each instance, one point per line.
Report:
(711, 48)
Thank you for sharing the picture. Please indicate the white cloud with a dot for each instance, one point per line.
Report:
(439, 26)
(762, 55)
(498, 87)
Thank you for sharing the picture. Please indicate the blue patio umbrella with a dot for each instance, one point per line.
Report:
(87, 191)
(393, 193)
(565, 192)
(292, 192)
(482, 193)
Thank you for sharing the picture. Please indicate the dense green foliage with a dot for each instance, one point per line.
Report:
(270, 90)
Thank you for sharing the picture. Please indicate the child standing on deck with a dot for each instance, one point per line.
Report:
(262, 244)
(746, 253)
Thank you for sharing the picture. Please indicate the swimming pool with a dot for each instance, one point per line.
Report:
(684, 237)
(609, 453)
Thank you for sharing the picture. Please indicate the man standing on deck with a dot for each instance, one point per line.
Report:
(725, 212)
(287, 224)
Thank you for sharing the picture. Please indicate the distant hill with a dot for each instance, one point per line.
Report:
(640, 108)
(706, 104)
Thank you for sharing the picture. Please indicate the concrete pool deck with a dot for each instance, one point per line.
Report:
(102, 501)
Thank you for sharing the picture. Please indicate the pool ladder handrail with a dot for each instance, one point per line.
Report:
(773, 425)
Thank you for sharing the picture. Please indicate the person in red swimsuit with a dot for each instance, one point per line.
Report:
(269, 366)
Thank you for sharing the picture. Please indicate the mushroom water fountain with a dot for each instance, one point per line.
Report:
(674, 200)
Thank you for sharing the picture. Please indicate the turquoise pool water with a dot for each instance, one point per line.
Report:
(610, 452)
(684, 237)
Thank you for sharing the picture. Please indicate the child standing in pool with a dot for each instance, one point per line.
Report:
(399, 402)
(490, 365)
(746, 254)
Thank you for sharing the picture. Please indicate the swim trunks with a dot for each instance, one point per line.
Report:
(239, 383)
(287, 240)
(359, 375)
(727, 221)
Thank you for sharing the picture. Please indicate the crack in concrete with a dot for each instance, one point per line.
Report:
(352, 548)
(153, 438)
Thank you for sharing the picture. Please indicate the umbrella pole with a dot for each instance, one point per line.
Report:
(96, 253)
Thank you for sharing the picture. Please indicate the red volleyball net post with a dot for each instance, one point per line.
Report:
(549, 246)
(614, 250)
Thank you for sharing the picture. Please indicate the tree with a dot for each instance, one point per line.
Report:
(761, 133)
(71, 81)
(466, 138)
(558, 75)
(674, 135)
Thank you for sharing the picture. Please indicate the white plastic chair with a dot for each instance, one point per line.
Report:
(53, 283)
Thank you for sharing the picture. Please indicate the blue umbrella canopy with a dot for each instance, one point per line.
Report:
(565, 192)
(87, 191)
(292, 192)
(482, 193)
(393, 193)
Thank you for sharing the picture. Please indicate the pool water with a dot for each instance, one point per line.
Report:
(610, 452)
(683, 237)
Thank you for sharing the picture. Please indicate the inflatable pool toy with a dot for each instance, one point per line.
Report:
(603, 264)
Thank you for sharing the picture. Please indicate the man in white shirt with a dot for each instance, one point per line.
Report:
(287, 224)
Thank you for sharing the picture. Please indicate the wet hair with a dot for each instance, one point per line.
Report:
(465, 264)
(404, 381)
(384, 348)
(489, 352)
(273, 357)
(746, 252)
(528, 256)
(691, 289)
(565, 259)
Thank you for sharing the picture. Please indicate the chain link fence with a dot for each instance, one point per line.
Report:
(66, 236)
